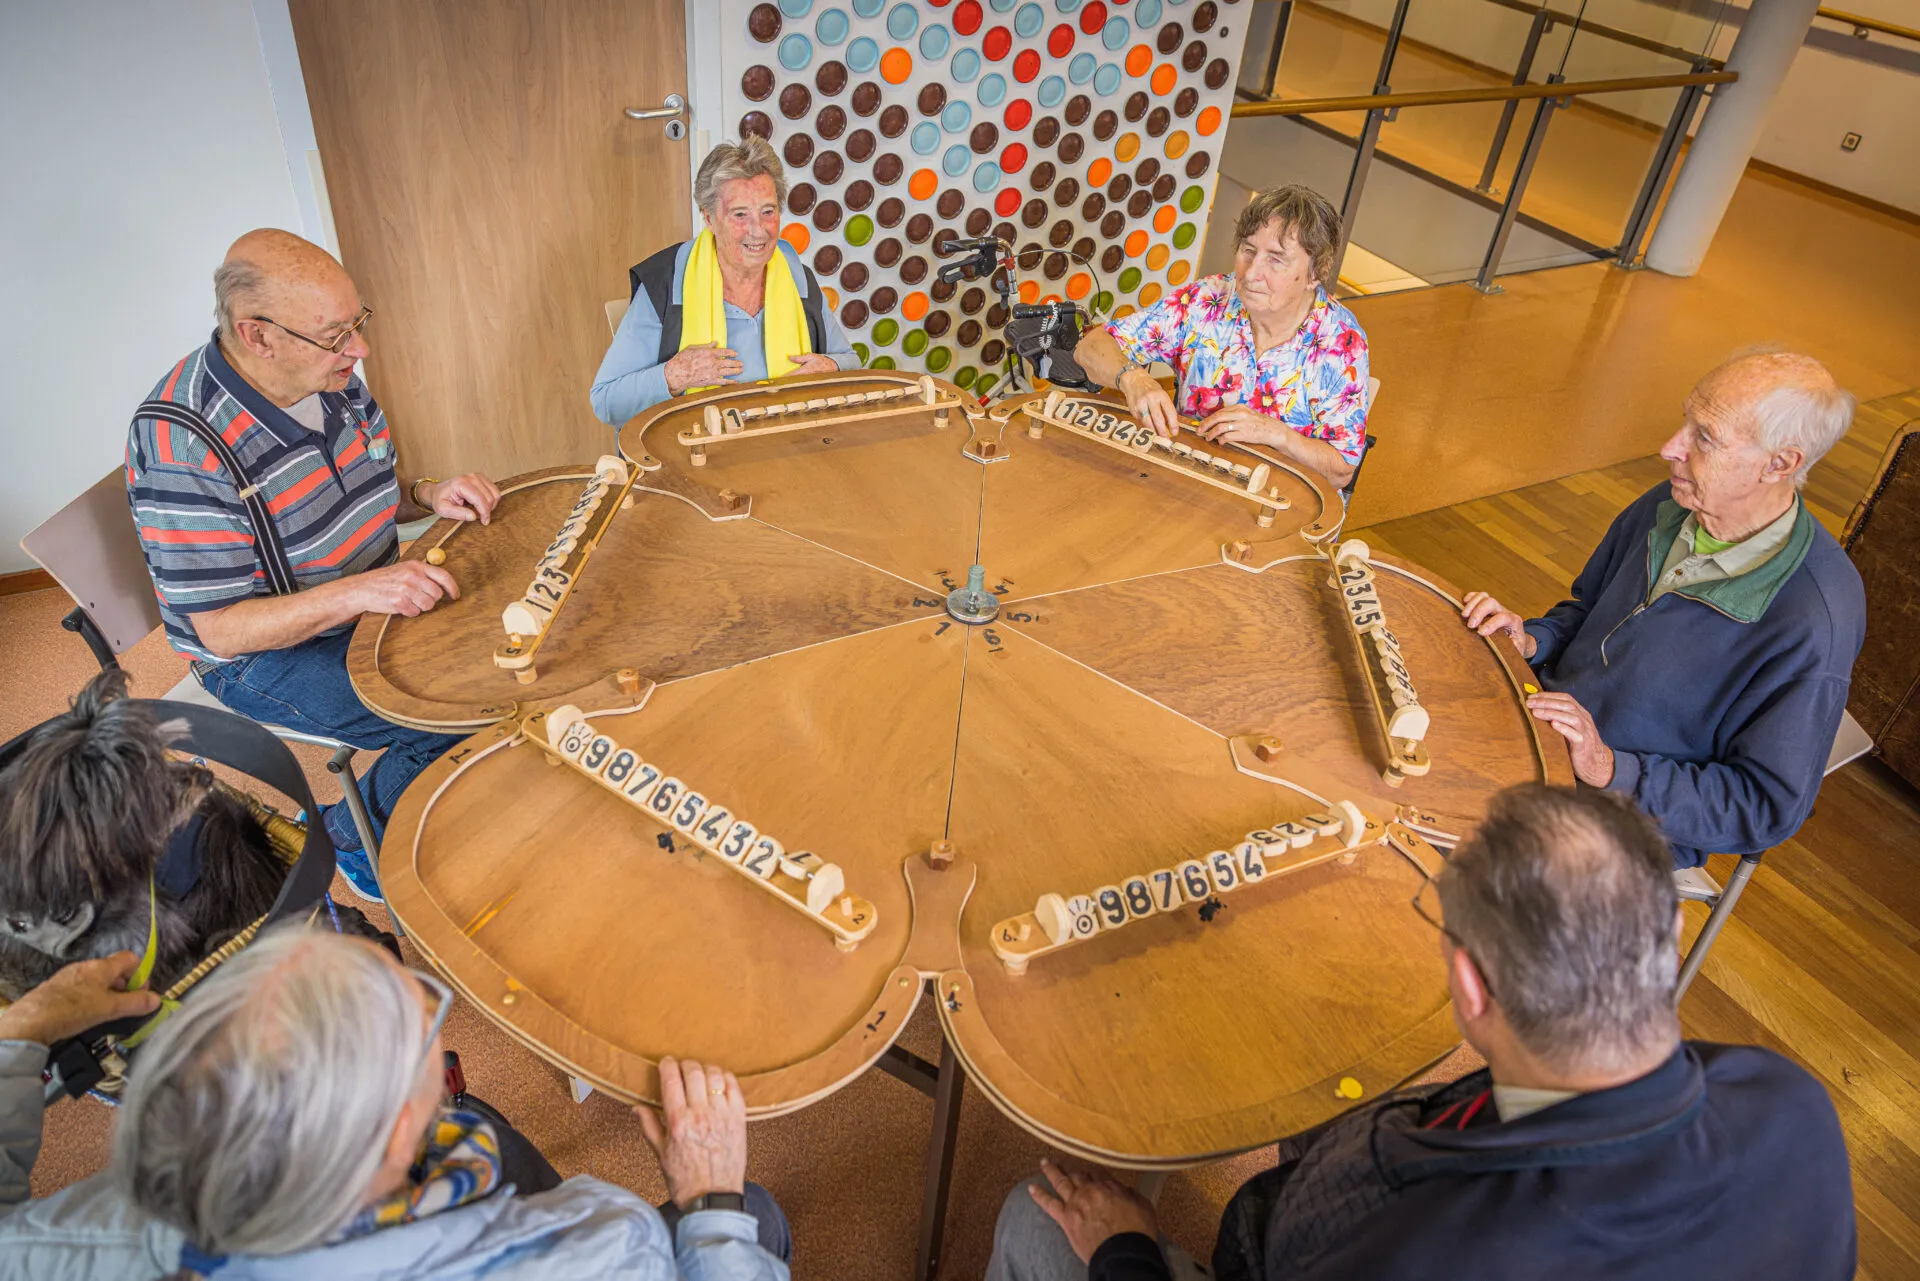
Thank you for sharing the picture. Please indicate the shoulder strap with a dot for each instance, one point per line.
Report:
(814, 303)
(655, 275)
(266, 536)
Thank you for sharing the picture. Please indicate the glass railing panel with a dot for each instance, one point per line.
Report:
(1593, 162)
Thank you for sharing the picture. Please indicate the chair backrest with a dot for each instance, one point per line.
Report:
(1373, 392)
(1850, 743)
(616, 312)
(92, 549)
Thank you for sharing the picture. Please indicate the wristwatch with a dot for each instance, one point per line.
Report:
(717, 1201)
(1131, 364)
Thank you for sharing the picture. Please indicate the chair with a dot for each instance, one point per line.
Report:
(1850, 743)
(617, 312)
(92, 549)
(1346, 491)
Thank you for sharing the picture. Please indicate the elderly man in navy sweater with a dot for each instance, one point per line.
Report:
(1701, 665)
(1595, 1146)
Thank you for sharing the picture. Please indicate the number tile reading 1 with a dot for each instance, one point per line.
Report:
(803, 880)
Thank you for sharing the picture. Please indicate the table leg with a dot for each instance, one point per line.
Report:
(946, 1124)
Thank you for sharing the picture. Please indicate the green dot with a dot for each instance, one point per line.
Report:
(1129, 280)
(863, 351)
(984, 383)
(860, 228)
(885, 331)
(964, 376)
(1191, 199)
(882, 362)
(1183, 235)
(1103, 303)
(938, 359)
(916, 342)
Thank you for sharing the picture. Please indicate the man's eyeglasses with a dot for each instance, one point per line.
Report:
(339, 341)
(1434, 914)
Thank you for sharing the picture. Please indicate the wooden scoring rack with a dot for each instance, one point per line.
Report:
(1402, 721)
(803, 881)
(1212, 465)
(726, 423)
(558, 570)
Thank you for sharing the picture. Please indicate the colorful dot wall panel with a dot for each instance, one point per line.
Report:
(1086, 133)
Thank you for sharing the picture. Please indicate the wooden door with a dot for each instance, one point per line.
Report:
(489, 196)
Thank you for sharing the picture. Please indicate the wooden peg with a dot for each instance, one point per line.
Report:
(436, 556)
(1265, 518)
(698, 456)
(940, 855)
(628, 679)
(526, 675)
(1035, 428)
(1268, 749)
(1239, 550)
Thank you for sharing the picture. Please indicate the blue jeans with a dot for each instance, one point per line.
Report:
(305, 687)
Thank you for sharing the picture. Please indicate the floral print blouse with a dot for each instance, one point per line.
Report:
(1315, 382)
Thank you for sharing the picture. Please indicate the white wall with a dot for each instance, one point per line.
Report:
(140, 140)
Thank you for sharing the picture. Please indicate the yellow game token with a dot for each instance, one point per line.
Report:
(1531, 688)
(1349, 1088)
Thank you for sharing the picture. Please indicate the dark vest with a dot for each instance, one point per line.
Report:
(657, 276)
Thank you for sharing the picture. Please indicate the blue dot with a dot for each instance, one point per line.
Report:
(1146, 13)
(868, 8)
(926, 138)
(831, 27)
(902, 21)
(1066, 6)
(1001, 6)
(863, 55)
(1107, 79)
(796, 8)
(956, 117)
(796, 51)
(934, 41)
(1052, 91)
(1028, 21)
(956, 160)
(986, 177)
(1080, 70)
(965, 66)
(993, 87)
(1116, 34)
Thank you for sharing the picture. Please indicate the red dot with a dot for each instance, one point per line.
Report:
(1019, 114)
(1060, 40)
(1093, 16)
(1026, 66)
(939, 4)
(999, 41)
(966, 17)
(1006, 204)
(1013, 159)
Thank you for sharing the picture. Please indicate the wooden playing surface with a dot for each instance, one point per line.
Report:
(787, 598)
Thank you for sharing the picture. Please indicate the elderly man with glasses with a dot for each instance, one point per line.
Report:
(263, 485)
(291, 1119)
(1595, 1143)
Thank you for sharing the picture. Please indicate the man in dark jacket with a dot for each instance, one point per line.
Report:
(1701, 665)
(1595, 1144)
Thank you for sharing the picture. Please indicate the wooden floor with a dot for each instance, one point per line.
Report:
(1821, 959)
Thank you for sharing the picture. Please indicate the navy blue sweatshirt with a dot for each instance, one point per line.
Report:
(1720, 700)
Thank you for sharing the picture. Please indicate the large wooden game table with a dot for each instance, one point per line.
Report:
(767, 621)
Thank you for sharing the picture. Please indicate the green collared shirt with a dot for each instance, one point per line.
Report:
(1689, 566)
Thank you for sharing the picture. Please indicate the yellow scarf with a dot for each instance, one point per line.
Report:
(703, 309)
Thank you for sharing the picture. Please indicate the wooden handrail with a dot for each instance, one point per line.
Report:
(1456, 97)
(1862, 22)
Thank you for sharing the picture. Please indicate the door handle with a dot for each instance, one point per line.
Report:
(675, 104)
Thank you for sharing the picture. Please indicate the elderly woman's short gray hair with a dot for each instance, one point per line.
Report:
(258, 1114)
(751, 157)
(1308, 214)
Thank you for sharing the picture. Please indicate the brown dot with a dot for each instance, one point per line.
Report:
(1197, 164)
(798, 150)
(1118, 187)
(888, 168)
(1157, 121)
(950, 204)
(1140, 203)
(1071, 148)
(1033, 214)
(831, 78)
(932, 98)
(1136, 106)
(887, 252)
(854, 277)
(1204, 15)
(827, 167)
(1042, 176)
(831, 122)
(883, 299)
(1169, 38)
(890, 212)
(757, 123)
(1078, 107)
(826, 215)
(1092, 207)
(1029, 256)
(827, 261)
(795, 101)
(973, 300)
(1110, 260)
(1067, 192)
(1083, 248)
(941, 237)
(1186, 101)
(914, 270)
(984, 138)
(968, 334)
(978, 221)
(756, 83)
(893, 121)
(1194, 56)
(1113, 224)
(1104, 125)
(941, 290)
(1146, 171)
(1217, 73)
(860, 145)
(1056, 266)
(1046, 132)
(991, 353)
(1060, 234)
(937, 323)
(1163, 188)
(866, 98)
(859, 194)
(800, 197)
(919, 227)
(763, 24)
(1005, 232)
(853, 313)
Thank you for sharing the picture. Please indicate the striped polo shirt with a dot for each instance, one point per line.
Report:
(332, 493)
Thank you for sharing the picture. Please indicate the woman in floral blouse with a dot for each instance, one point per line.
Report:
(1264, 356)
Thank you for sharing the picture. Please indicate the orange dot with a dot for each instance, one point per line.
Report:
(1164, 77)
(1178, 273)
(1156, 257)
(914, 305)
(1078, 284)
(1029, 291)
(1163, 218)
(797, 235)
(1050, 300)
(1209, 121)
(923, 184)
(1099, 171)
(1126, 147)
(1136, 244)
(895, 66)
(1139, 58)
(833, 297)
(1150, 295)
(1124, 312)
(1177, 144)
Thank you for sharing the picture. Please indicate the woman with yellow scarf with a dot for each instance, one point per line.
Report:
(735, 304)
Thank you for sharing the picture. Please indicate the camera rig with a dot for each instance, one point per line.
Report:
(1042, 335)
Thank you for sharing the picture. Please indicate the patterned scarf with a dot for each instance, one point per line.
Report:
(459, 1164)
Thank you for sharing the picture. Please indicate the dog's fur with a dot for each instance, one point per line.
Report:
(85, 815)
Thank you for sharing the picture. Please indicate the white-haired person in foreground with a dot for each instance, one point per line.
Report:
(1701, 665)
(291, 1120)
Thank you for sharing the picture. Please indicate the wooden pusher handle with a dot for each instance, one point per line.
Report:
(726, 423)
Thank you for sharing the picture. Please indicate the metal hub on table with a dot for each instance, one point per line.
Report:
(973, 604)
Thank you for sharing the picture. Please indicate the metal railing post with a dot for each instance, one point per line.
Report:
(1666, 154)
(1542, 23)
(1510, 211)
(1392, 47)
(1280, 22)
(1357, 182)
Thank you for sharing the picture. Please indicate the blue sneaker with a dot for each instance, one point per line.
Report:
(358, 869)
